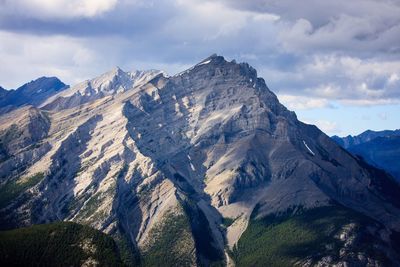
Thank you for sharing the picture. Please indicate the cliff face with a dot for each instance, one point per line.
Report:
(188, 152)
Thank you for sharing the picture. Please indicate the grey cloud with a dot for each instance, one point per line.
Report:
(123, 20)
(361, 27)
(320, 13)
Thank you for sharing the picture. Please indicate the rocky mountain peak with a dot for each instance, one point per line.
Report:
(245, 68)
(117, 70)
(109, 83)
(219, 80)
(33, 93)
(220, 64)
(3, 92)
(42, 85)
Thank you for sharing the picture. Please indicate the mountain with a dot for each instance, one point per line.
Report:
(33, 93)
(3, 92)
(74, 245)
(202, 168)
(364, 137)
(110, 83)
(381, 149)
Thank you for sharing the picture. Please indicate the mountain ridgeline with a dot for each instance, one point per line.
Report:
(379, 148)
(33, 93)
(204, 168)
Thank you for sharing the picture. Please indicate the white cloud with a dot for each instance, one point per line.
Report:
(328, 127)
(330, 91)
(212, 20)
(45, 9)
(295, 102)
(348, 80)
(26, 57)
(359, 27)
(394, 77)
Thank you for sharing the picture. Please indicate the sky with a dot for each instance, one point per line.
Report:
(335, 63)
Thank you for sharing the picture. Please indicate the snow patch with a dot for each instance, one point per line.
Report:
(192, 167)
(205, 62)
(191, 164)
(305, 144)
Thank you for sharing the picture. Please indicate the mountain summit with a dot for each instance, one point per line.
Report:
(110, 83)
(200, 168)
(33, 93)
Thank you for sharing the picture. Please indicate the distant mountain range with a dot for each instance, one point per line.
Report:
(33, 93)
(203, 168)
(378, 148)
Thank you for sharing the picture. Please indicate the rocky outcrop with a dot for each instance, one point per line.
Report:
(110, 83)
(22, 142)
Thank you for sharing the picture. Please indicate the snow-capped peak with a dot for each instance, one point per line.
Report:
(114, 81)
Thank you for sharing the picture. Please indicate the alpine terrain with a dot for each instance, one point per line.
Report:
(204, 168)
(381, 149)
(32, 93)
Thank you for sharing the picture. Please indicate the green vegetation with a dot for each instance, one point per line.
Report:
(10, 134)
(129, 254)
(170, 243)
(57, 244)
(12, 189)
(281, 241)
(5, 138)
(226, 222)
(207, 253)
(91, 208)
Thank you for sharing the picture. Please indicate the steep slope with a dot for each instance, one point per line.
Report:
(33, 93)
(190, 153)
(3, 93)
(110, 83)
(21, 139)
(380, 149)
(324, 236)
(57, 244)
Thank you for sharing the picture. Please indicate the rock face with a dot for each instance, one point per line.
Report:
(380, 149)
(110, 83)
(129, 153)
(21, 140)
(33, 93)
